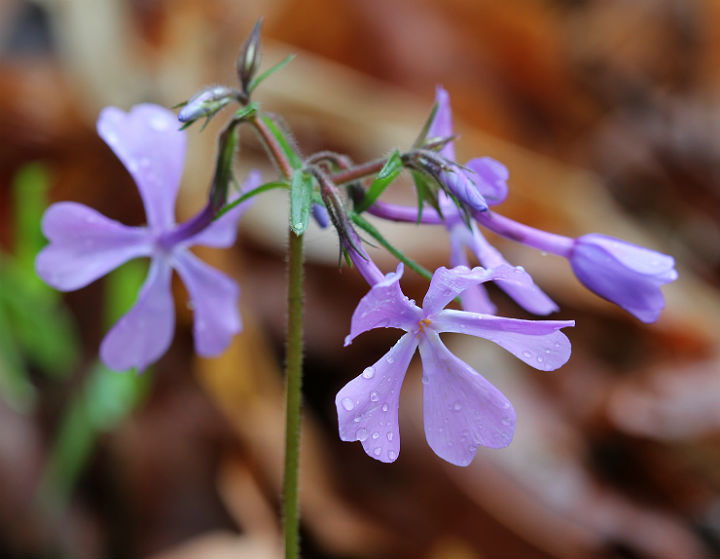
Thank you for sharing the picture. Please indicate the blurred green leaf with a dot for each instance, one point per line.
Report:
(269, 72)
(29, 188)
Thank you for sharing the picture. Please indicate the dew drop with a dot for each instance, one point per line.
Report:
(506, 421)
(299, 226)
(389, 436)
(390, 359)
(392, 454)
(557, 345)
(368, 373)
(547, 350)
(374, 396)
(506, 405)
(385, 407)
(158, 123)
(457, 406)
(348, 404)
(519, 268)
(357, 419)
(527, 354)
(377, 451)
(540, 359)
(375, 436)
(361, 434)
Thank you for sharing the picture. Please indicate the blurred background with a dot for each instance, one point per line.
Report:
(606, 113)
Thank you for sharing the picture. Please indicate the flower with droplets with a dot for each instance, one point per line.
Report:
(85, 245)
(462, 410)
(626, 274)
(490, 177)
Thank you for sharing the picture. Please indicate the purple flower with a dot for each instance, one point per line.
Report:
(475, 299)
(626, 274)
(462, 409)
(85, 245)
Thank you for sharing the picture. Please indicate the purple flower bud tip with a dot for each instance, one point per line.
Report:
(462, 184)
(320, 215)
(491, 178)
(626, 274)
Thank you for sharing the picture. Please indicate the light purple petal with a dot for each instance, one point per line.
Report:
(144, 334)
(522, 288)
(623, 273)
(442, 126)
(85, 245)
(537, 342)
(462, 410)
(475, 298)
(214, 299)
(490, 177)
(151, 147)
(385, 306)
(367, 406)
(446, 284)
(222, 232)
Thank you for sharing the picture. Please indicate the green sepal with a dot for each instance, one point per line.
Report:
(409, 262)
(420, 140)
(301, 189)
(387, 174)
(269, 72)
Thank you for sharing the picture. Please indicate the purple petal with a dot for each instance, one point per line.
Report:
(462, 410)
(152, 149)
(448, 284)
(214, 299)
(475, 298)
(85, 245)
(385, 306)
(441, 126)
(522, 288)
(537, 342)
(222, 232)
(490, 177)
(141, 336)
(367, 406)
(623, 273)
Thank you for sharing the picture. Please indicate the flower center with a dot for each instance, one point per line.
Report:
(422, 324)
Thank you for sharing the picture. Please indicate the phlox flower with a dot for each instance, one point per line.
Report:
(85, 245)
(462, 410)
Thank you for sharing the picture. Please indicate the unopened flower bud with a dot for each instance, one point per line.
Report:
(249, 60)
(320, 215)
(206, 103)
(626, 274)
(461, 183)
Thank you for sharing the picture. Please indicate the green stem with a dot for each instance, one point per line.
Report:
(293, 379)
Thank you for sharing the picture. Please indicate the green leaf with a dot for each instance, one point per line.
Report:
(301, 190)
(16, 388)
(387, 174)
(247, 111)
(269, 72)
(409, 262)
(29, 188)
(249, 194)
(293, 158)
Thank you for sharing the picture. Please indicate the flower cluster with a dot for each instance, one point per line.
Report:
(462, 410)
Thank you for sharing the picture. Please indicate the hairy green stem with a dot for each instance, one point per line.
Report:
(293, 379)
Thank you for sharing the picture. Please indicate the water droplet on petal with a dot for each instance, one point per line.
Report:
(374, 396)
(392, 454)
(376, 435)
(361, 434)
(506, 405)
(348, 404)
(158, 123)
(377, 451)
(368, 373)
(527, 354)
(506, 421)
(389, 436)
(457, 406)
(390, 359)
(539, 359)
(547, 350)
(385, 407)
